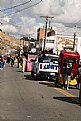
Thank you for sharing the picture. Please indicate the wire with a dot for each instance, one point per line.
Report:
(22, 9)
(16, 6)
(77, 22)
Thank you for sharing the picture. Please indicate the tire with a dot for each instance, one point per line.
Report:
(37, 77)
(56, 81)
(32, 74)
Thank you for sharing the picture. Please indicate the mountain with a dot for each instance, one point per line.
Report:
(8, 43)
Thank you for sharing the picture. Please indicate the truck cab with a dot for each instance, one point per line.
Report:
(75, 58)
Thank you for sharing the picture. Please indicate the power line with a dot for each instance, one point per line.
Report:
(22, 9)
(77, 22)
(15, 6)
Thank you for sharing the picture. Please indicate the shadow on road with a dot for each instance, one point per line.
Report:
(28, 76)
(74, 100)
(48, 83)
(19, 71)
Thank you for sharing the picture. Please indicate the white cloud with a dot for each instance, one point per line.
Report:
(8, 28)
(65, 12)
(6, 19)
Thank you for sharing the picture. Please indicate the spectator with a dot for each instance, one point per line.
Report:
(8, 59)
(24, 63)
(1, 62)
(79, 76)
(18, 62)
(12, 61)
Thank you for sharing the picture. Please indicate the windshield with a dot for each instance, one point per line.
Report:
(52, 58)
(47, 58)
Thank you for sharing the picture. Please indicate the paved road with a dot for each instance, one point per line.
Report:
(22, 98)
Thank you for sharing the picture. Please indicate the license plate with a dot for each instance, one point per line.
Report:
(52, 74)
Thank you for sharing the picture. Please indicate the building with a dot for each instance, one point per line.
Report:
(50, 38)
(64, 41)
(58, 42)
(40, 33)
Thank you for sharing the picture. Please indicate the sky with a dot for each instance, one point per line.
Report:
(23, 17)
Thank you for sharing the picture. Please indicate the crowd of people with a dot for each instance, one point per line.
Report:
(19, 61)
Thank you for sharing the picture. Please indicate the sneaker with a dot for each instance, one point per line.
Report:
(67, 88)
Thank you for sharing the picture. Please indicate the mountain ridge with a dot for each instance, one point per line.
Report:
(8, 42)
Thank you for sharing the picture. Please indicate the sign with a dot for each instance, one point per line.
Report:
(51, 66)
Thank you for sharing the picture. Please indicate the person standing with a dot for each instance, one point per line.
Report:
(67, 73)
(18, 62)
(8, 59)
(1, 63)
(24, 63)
(12, 61)
(79, 76)
(79, 81)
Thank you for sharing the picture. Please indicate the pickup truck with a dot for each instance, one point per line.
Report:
(45, 66)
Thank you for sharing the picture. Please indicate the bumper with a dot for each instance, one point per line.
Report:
(48, 74)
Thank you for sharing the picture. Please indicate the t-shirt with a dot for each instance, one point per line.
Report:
(68, 69)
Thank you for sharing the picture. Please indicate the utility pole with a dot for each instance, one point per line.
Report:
(46, 21)
(23, 40)
(28, 42)
(74, 40)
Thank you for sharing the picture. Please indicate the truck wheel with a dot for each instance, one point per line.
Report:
(32, 74)
(38, 77)
(56, 81)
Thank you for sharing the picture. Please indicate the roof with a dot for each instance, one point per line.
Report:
(70, 53)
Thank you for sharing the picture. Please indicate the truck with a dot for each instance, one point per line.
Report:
(45, 65)
(64, 56)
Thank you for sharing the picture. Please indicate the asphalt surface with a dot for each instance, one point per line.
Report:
(23, 98)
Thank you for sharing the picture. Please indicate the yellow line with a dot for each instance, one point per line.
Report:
(63, 92)
(67, 94)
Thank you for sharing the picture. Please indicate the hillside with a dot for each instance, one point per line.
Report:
(8, 43)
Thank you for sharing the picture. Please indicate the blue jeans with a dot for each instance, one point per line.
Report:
(1, 64)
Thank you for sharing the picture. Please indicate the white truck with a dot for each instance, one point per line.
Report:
(45, 66)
